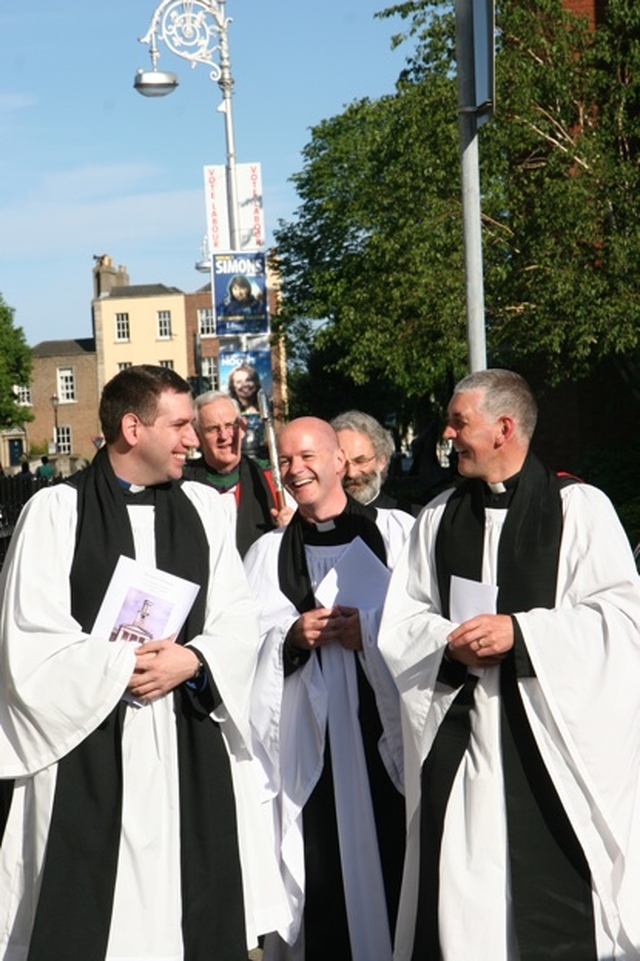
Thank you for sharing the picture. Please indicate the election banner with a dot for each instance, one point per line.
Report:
(250, 207)
(239, 293)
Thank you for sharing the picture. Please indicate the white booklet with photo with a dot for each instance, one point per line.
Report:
(143, 603)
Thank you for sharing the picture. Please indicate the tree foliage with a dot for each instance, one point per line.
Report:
(374, 252)
(563, 255)
(15, 369)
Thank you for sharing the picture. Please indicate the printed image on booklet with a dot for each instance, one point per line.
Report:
(143, 603)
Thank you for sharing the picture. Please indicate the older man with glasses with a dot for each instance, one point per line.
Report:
(247, 488)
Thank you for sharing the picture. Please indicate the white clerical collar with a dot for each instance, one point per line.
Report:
(131, 488)
(497, 488)
(323, 526)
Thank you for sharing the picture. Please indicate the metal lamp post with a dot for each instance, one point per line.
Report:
(476, 100)
(196, 30)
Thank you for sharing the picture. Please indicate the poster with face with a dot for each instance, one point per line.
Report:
(239, 285)
(245, 368)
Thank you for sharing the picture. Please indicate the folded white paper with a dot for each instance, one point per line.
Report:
(470, 598)
(357, 579)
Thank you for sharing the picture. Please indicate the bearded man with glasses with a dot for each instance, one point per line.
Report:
(368, 449)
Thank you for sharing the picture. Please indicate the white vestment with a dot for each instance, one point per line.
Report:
(583, 706)
(290, 723)
(58, 684)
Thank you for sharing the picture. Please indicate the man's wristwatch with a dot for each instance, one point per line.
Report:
(199, 671)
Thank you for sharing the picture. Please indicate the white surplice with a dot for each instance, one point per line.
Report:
(583, 706)
(290, 722)
(58, 684)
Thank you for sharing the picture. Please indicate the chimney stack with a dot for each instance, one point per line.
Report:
(106, 277)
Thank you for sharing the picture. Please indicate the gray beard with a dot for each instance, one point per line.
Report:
(367, 489)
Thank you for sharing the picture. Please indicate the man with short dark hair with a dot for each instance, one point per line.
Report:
(248, 489)
(133, 810)
(512, 629)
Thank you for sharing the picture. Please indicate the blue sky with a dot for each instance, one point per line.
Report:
(88, 166)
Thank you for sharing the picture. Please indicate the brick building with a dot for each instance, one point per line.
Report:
(63, 400)
(593, 9)
(203, 346)
(132, 324)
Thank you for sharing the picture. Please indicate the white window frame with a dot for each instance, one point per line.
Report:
(210, 370)
(167, 363)
(63, 439)
(164, 324)
(206, 322)
(66, 379)
(123, 328)
(23, 395)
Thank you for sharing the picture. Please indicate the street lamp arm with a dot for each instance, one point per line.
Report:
(195, 31)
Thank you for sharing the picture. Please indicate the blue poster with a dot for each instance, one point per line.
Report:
(244, 369)
(239, 285)
(243, 372)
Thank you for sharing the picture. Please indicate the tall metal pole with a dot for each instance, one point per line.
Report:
(226, 86)
(197, 31)
(470, 173)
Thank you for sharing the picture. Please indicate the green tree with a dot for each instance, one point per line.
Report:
(374, 252)
(562, 239)
(15, 369)
(379, 221)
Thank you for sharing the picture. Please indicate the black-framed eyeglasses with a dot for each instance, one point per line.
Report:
(360, 461)
(217, 429)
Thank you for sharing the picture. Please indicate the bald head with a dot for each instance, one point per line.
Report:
(312, 464)
(322, 432)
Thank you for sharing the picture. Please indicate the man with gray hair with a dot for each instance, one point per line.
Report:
(511, 627)
(248, 489)
(368, 448)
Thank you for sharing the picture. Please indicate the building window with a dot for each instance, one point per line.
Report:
(66, 385)
(23, 395)
(122, 327)
(206, 322)
(125, 365)
(210, 371)
(63, 439)
(164, 324)
(166, 363)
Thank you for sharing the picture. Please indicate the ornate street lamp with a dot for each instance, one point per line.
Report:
(195, 30)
